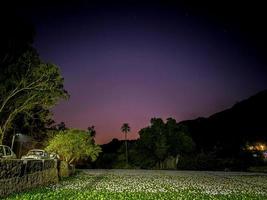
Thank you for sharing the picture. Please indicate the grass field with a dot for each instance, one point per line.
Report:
(153, 184)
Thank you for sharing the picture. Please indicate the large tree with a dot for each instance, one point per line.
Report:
(73, 145)
(36, 124)
(25, 85)
(161, 140)
(125, 128)
(16, 39)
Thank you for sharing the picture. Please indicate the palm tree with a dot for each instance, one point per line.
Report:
(125, 128)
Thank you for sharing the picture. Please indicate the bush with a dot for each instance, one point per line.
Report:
(73, 145)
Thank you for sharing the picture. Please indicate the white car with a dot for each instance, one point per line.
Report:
(6, 152)
(36, 154)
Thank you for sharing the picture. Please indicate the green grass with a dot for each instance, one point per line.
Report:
(153, 184)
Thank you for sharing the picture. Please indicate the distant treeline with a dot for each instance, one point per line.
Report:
(215, 143)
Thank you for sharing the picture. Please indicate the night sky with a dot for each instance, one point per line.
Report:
(129, 62)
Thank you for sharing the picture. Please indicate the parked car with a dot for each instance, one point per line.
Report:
(6, 152)
(36, 154)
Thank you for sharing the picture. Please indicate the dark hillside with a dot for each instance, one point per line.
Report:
(228, 130)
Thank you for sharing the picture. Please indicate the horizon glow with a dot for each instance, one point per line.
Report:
(129, 66)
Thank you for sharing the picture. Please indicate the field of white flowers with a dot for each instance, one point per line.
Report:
(153, 184)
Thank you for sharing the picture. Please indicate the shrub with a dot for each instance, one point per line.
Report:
(73, 145)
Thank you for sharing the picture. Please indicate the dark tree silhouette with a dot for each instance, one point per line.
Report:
(61, 126)
(16, 37)
(162, 140)
(21, 75)
(91, 130)
(125, 128)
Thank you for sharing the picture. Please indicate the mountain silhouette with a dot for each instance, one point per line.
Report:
(227, 131)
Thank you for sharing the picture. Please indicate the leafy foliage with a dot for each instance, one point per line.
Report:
(161, 140)
(73, 145)
(25, 85)
(160, 146)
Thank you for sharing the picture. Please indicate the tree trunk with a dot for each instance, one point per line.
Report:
(126, 150)
(160, 164)
(177, 159)
(1, 136)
